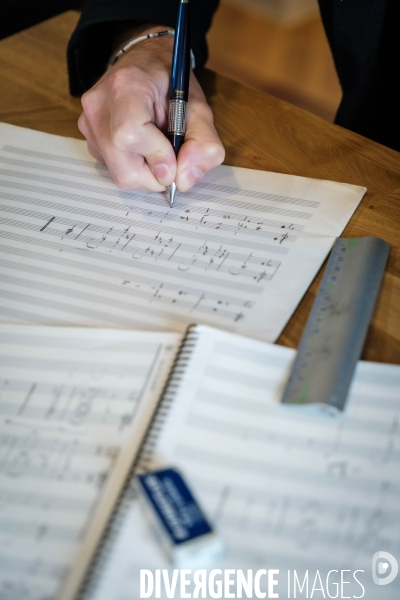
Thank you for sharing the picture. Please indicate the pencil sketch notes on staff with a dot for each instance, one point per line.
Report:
(237, 251)
(74, 406)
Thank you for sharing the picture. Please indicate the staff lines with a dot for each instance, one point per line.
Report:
(251, 194)
(290, 441)
(99, 254)
(154, 199)
(146, 348)
(227, 400)
(56, 169)
(73, 229)
(157, 218)
(44, 501)
(181, 232)
(218, 259)
(278, 471)
(78, 366)
(113, 303)
(104, 172)
(237, 234)
(50, 392)
(50, 311)
(185, 260)
(38, 567)
(79, 409)
(11, 442)
(59, 473)
(124, 278)
(39, 531)
(135, 197)
(123, 288)
(54, 157)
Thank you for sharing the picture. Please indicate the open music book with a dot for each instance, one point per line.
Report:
(286, 490)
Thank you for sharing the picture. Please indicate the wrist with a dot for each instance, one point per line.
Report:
(133, 30)
(155, 38)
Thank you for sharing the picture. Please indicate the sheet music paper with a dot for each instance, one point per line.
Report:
(74, 406)
(237, 251)
(286, 489)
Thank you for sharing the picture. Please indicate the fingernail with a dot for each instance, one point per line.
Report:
(164, 174)
(189, 176)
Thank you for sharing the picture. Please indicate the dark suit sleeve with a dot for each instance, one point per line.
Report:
(91, 43)
(365, 43)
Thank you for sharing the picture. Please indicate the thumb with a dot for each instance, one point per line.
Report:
(202, 149)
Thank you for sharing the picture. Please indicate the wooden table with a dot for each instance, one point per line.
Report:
(258, 132)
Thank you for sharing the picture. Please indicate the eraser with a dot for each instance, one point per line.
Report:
(186, 534)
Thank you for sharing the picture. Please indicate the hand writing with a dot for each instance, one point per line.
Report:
(125, 117)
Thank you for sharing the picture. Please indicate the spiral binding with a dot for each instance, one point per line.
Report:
(140, 465)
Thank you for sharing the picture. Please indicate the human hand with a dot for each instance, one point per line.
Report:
(126, 112)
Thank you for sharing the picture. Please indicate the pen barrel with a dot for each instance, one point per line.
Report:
(181, 55)
(176, 141)
(179, 78)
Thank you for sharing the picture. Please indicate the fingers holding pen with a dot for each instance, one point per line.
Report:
(133, 132)
(117, 123)
(202, 149)
(92, 145)
(124, 121)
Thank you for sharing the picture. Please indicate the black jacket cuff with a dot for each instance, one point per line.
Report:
(91, 44)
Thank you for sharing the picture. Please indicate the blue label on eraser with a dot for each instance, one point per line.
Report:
(175, 505)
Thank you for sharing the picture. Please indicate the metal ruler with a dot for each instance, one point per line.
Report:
(336, 328)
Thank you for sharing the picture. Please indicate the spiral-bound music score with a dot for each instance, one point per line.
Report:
(285, 489)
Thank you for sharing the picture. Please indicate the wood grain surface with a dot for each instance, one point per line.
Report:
(293, 60)
(258, 131)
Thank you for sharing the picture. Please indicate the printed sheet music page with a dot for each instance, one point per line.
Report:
(236, 252)
(74, 406)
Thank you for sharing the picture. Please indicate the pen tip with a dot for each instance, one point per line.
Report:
(171, 191)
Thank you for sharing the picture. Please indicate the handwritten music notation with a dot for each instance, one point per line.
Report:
(41, 457)
(231, 222)
(75, 228)
(67, 404)
(223, 255)
(184, 257)
(68, 414)
(167, 253)
(206, 257)
(37, 582)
